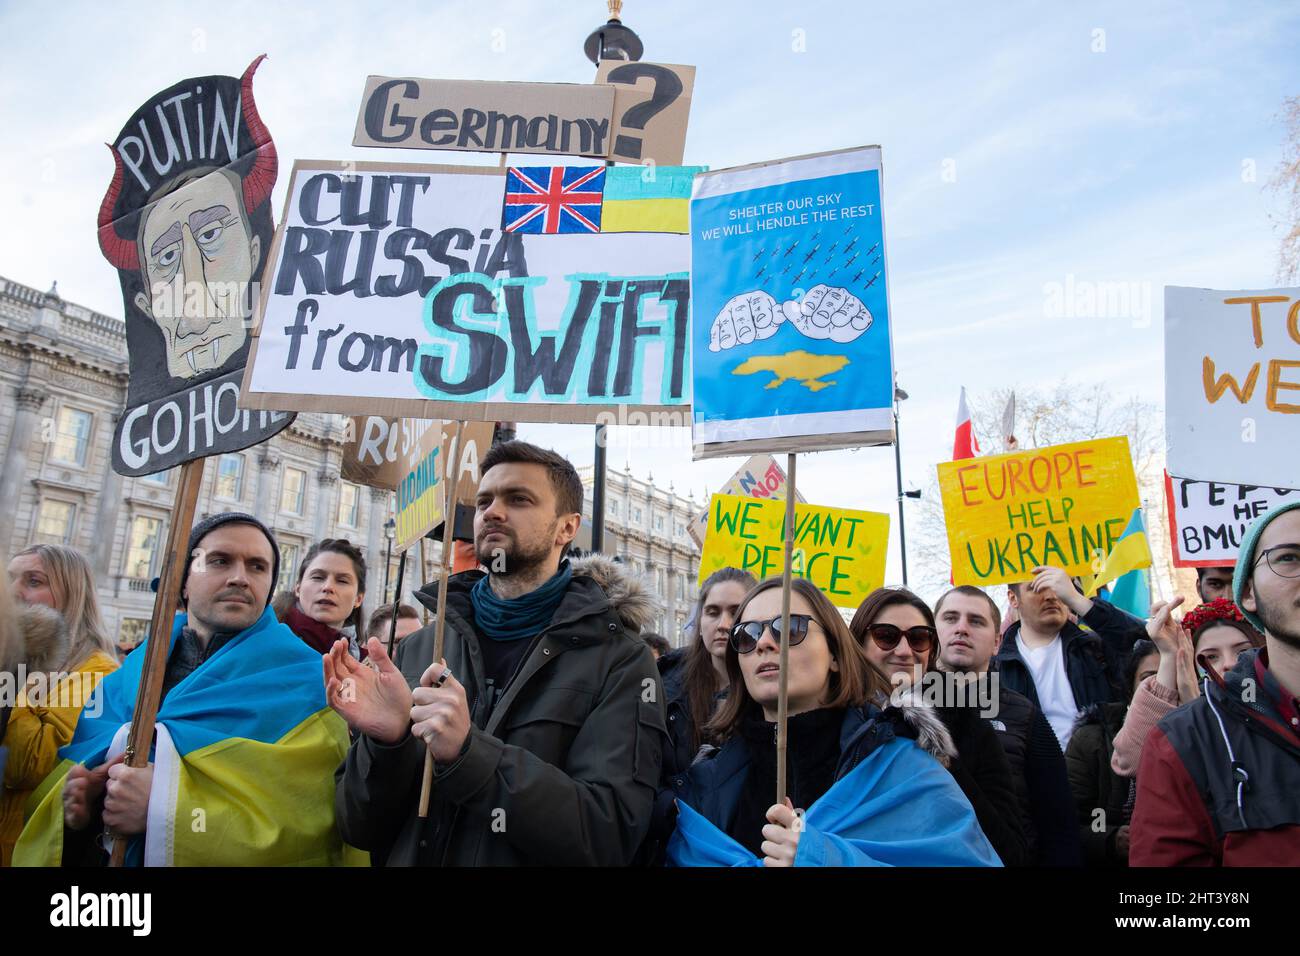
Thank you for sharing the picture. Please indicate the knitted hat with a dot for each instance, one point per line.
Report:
(1246, 559)
(212, 523)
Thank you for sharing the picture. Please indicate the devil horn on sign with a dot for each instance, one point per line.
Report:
(260, 179)
(120, 252)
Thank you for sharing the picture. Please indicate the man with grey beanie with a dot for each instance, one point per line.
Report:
(1219, 782)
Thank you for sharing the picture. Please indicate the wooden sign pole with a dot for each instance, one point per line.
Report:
(439, 627)
(140, 739)
(782, 738)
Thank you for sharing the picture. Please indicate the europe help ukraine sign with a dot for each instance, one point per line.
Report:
(1063, 505)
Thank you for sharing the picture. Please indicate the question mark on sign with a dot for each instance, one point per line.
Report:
(668, 87)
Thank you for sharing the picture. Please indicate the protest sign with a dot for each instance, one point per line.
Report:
(652, 104)
(841, 551)
(186, 221)
(401, 290)
(759, 477)
(486, 116)
(377, 451)
(1232, 385)
(381, 453)
(1208, 519)
(420, 470)
(1063, 505)
(791, 330)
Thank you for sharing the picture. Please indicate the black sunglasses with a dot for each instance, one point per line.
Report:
(745, 637)
(920, 638)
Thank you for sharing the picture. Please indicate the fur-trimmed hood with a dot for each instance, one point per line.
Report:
(931, 734)
(44, 637)
(628, 592)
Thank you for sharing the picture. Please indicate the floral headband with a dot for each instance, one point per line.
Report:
(1220, 609)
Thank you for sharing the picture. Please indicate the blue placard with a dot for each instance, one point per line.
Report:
(790, 311)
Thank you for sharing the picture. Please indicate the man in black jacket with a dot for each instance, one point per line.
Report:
(967, 621)
(1059, 666)
(545, 722)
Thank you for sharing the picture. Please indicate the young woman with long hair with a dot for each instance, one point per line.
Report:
(887, 799)
(66, 652)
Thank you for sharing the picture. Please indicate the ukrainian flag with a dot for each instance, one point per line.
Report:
(1130, 553)
(244, 760)
(648, 198)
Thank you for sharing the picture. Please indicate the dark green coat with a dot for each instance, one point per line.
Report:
(562, 773)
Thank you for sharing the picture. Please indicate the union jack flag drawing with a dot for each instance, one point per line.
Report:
(553, 199)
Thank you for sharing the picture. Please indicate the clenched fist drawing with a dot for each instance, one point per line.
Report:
(744, 319)
(829, 312)
(825, 312)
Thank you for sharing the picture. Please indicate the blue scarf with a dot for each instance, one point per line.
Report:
(525, 616)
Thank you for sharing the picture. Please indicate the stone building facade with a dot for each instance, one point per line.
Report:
(645, 527)
(63, 376)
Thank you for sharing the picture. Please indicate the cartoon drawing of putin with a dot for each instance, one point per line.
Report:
(187, 222)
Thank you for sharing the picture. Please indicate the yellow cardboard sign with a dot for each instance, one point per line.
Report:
(420, 494)
(841, 551)
(1063, 505)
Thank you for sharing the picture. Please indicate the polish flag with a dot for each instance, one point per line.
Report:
(964, 444)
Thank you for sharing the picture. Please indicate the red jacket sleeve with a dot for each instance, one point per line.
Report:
(1170, 825)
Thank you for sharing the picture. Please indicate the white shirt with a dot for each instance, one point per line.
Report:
(1055, 696)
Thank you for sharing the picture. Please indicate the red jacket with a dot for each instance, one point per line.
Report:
(1219, 782)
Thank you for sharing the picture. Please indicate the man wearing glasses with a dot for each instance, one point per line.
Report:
(1219, 782)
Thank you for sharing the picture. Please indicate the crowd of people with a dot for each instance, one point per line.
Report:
(555, 729)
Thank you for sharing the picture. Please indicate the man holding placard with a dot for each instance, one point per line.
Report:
(545, 722)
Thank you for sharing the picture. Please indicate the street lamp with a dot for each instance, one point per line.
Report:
(390, 531)
(609, 41)
(612, 40)
(901, 396)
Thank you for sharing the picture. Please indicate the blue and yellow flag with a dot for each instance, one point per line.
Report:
(648, 198)
(898, 807)
(1130, 553)
(244, 760)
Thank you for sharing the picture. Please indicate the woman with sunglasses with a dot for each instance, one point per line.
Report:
(868, 776)
(896, 630)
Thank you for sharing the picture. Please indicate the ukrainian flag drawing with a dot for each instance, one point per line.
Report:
(244, 760)
(1130, 553)
(648, 198)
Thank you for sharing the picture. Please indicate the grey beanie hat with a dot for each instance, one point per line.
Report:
(210, 524)
(1246, 559)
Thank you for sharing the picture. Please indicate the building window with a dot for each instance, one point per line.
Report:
(659, 587)
(636, 515)
(72, 440)
(291, 493)
(681, 529)
(142, 547)
(349, 504)
(288, 567)
(54, 522)
(659, 522)
(131, 631)
(230, 477)
(613, 507)
(681, 587)
(163, 478)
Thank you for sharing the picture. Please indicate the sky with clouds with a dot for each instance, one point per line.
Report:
(1027, 146)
